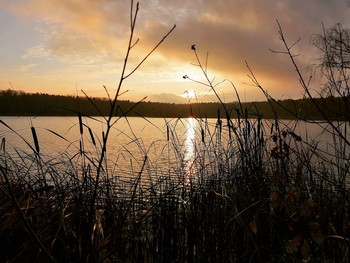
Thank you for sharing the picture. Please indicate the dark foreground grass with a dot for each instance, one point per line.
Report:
(250, 197)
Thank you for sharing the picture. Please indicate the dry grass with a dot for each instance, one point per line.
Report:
(252, 198)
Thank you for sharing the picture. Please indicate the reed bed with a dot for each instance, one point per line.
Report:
(255, 192)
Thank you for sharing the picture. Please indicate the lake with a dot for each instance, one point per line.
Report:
(173, 146)
(130, 140)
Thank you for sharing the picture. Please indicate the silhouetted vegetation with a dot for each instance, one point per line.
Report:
(13, 103)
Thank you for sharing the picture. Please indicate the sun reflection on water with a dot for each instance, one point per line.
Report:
(190, 147)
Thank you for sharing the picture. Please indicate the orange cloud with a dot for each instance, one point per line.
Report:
(25, 68)
(90, 32)
(78, 29)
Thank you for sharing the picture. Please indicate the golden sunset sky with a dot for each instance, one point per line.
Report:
(65, 46)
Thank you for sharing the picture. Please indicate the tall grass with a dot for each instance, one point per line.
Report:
(252, 197)
(254, 191)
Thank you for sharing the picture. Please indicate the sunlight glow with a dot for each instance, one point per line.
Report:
(189, 94)
(190, 146)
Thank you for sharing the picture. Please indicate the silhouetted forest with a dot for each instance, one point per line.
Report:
(15, 103)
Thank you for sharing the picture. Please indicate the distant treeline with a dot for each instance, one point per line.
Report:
(14, 103)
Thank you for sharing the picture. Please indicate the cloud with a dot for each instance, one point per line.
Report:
(36, 52)
(237, 31)
(233, 32)
(25, 68)
(78, 30)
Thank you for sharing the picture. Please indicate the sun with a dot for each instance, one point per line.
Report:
(189, 94)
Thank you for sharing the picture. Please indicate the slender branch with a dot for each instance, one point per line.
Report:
(306, 88)
(111, 113)
(207, 78)
(146, 57)
(137, 41)
(123, 76)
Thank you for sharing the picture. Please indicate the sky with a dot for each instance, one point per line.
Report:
(68, 46)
